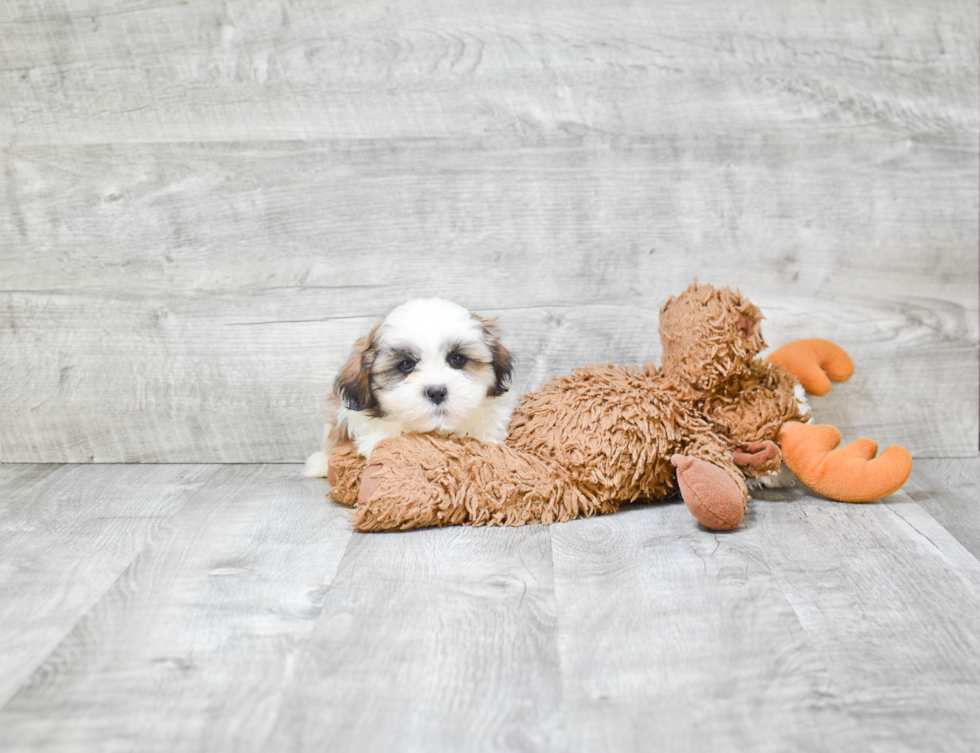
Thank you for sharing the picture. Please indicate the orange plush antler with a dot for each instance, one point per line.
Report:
(814, 363)
(850, 474)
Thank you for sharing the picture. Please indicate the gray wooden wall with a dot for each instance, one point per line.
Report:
(202, 205)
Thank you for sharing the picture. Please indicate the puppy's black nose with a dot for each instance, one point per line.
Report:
(436, 394)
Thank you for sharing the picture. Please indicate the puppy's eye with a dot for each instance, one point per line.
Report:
(406, 366)
(457, 360)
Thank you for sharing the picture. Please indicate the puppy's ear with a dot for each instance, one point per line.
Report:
(503, 370)
(501, 359)
(353, 383)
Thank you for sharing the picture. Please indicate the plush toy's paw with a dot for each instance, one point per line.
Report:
(758, 458)
(848, 474)
(709, 492)
(815, 363)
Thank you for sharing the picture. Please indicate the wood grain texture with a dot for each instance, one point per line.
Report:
(949, 490)
(181, 380)
(202, 206)
(580, 220)
(673, 638)
(113, 72)
(210, 327)
(66, 534)
(438, 640)
(194, 644)
(254, 619)
(902, 648)
(817, 626)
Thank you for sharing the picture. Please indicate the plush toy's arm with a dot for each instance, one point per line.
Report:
(758, 458)
(344, 474)
(416, 481)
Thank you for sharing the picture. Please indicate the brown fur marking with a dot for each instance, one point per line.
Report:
(353, 383)
(501, 359)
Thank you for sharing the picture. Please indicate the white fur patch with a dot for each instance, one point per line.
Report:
(488, 423)
(802, 403)
(317, 465)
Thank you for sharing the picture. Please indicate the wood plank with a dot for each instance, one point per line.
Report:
(800, 631)
(538, 222)
(66, 534)
(195, 643)
(673, 638)
(202, 378)
(118, 72)
(192, 302)
(433, 640)
(890, 600)
(947, 490)
(18, 482)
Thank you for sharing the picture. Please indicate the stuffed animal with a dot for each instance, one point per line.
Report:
(713, 415)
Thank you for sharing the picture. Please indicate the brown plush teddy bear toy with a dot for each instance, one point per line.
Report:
(711, 416)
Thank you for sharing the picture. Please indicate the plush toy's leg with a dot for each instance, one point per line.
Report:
(712, 486)
(815, 363)
(848, 474)
(710, 493)
(415, 481)
(344, 473)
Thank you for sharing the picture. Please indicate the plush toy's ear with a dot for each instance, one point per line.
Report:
(353, 383)
(501, 359)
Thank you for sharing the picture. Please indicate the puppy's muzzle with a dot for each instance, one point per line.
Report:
(436, 394)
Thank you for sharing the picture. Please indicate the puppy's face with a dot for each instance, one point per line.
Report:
(429, 365)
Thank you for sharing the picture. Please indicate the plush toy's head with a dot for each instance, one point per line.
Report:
(709, 337)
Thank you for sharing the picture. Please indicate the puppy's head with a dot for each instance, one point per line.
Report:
(429, 364)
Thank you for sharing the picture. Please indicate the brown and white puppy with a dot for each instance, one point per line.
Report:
(428, 366)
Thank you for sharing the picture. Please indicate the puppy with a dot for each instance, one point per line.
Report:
(428, 366)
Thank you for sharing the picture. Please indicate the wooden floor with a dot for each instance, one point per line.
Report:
(230, 607)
